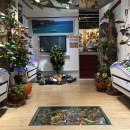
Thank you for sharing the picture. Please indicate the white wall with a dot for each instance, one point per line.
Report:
(72, 55)
(124, 6)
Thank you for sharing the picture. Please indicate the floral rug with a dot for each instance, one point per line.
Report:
(78, 115)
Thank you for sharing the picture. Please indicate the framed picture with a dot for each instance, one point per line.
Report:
(52, 25)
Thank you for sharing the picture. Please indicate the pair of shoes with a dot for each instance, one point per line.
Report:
(70, 80)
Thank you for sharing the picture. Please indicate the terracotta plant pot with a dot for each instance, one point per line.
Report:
(100, 86)
(15, 97)
(27, 89)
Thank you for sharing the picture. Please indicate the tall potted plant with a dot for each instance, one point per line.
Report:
(14, 53)
(107, 49)
(57, 58)
(16, 93)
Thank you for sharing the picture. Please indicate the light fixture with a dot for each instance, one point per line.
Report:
(70, 2)
(2, 15)
(37, 1)
(67, 6)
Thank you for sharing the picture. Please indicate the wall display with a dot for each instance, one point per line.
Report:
(73, 45)
(52, 25)
(73, 41)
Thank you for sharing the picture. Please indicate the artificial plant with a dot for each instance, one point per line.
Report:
(14, 52)
(17, 89)
(107, 46)
(57, 58)
(109, 14)
(107, 51)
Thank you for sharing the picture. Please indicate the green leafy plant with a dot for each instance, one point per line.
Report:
(107, 50)
(57, 58)
(103, 73)
(14, 52)
(17, 89)
(109, 14)
(10, 20)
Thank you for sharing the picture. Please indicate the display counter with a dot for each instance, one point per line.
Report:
(120, 78)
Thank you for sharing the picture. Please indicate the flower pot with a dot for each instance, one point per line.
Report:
(27, 89)
(100, 86)
(15, 97)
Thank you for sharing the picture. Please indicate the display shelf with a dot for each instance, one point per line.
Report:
(120, 78)
(31, 73)
(4, 80)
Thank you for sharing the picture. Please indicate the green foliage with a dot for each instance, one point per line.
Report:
(107, 50)
(109, 14)
(57, 58)
(17, 89)
(14, 52)
(10, 20)
(103, 73)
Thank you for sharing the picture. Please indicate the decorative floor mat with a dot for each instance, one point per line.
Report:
(79, 115)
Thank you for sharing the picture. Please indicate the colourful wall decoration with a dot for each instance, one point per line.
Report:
(73, 41)
(52, 25)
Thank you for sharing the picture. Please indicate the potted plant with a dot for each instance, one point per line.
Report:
(16, 93)
(101, 78)
(14, 53)
(27, 88)
(57, 58)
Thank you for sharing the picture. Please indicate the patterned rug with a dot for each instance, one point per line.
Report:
(79, 115)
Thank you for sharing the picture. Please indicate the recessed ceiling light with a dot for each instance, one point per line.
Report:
(37, 1)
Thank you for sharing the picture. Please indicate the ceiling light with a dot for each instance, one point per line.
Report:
(70, 2)
(37, 1)
(67, 6)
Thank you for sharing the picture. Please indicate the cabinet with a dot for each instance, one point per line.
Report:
(88, 64)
